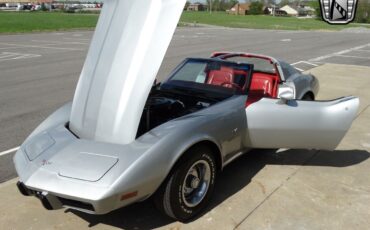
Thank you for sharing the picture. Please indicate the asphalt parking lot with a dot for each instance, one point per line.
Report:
(267, 190)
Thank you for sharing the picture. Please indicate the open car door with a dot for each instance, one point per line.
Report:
(276, 123)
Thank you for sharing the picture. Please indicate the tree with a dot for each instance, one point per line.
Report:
(229, 4)
(316, 6)
(256, 8)
(43, 7)
(363, 12)
(284, 2)
(187, 5)
(269, 2)
(222, 5)
(216, 5)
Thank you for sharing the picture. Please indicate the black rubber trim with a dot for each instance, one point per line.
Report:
(24, 190)
(44, 202)
(76, 204)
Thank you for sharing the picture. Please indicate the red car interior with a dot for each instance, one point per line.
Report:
(228, 77)
(262, 85)
(222, 77)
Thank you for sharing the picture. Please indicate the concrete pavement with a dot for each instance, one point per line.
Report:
(291, 189)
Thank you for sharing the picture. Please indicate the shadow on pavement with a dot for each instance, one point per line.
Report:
(235, 177)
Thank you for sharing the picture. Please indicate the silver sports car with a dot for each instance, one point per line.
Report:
(123, 139)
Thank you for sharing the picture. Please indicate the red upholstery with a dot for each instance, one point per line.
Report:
(221, 77)
(262, 85)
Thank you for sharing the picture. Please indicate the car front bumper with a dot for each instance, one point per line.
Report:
(51, 201)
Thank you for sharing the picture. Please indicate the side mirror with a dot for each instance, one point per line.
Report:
(286, 93)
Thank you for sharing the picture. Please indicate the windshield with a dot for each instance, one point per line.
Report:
(211, 75)
(259, 64)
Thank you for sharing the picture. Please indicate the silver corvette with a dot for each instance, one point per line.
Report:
(123, 139)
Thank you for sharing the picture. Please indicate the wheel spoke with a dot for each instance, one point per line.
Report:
(196, 183)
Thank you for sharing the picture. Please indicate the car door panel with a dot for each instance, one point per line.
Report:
(299, 124)
(229, 125)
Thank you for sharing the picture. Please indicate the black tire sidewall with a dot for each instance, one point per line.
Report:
(307, 97)
(178, 206)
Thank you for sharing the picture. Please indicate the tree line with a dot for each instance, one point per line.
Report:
(363, 12)
(223, 5)
(256, 7)
(219, 5)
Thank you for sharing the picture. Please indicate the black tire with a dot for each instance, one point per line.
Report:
(170, 196)
(308, 97)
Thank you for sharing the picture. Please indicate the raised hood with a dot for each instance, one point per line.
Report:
(125, 55)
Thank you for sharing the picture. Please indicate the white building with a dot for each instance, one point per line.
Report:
(289, 10)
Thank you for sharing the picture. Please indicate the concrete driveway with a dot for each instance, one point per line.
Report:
(285, 189)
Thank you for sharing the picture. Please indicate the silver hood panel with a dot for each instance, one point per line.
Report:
(125, 55)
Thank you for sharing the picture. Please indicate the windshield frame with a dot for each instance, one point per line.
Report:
(202, 88)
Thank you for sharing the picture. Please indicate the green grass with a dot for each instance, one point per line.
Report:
(259, 21)
(19, 22)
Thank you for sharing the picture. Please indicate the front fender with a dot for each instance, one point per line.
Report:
(60, 116)
(194, 140)
(153, 167)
